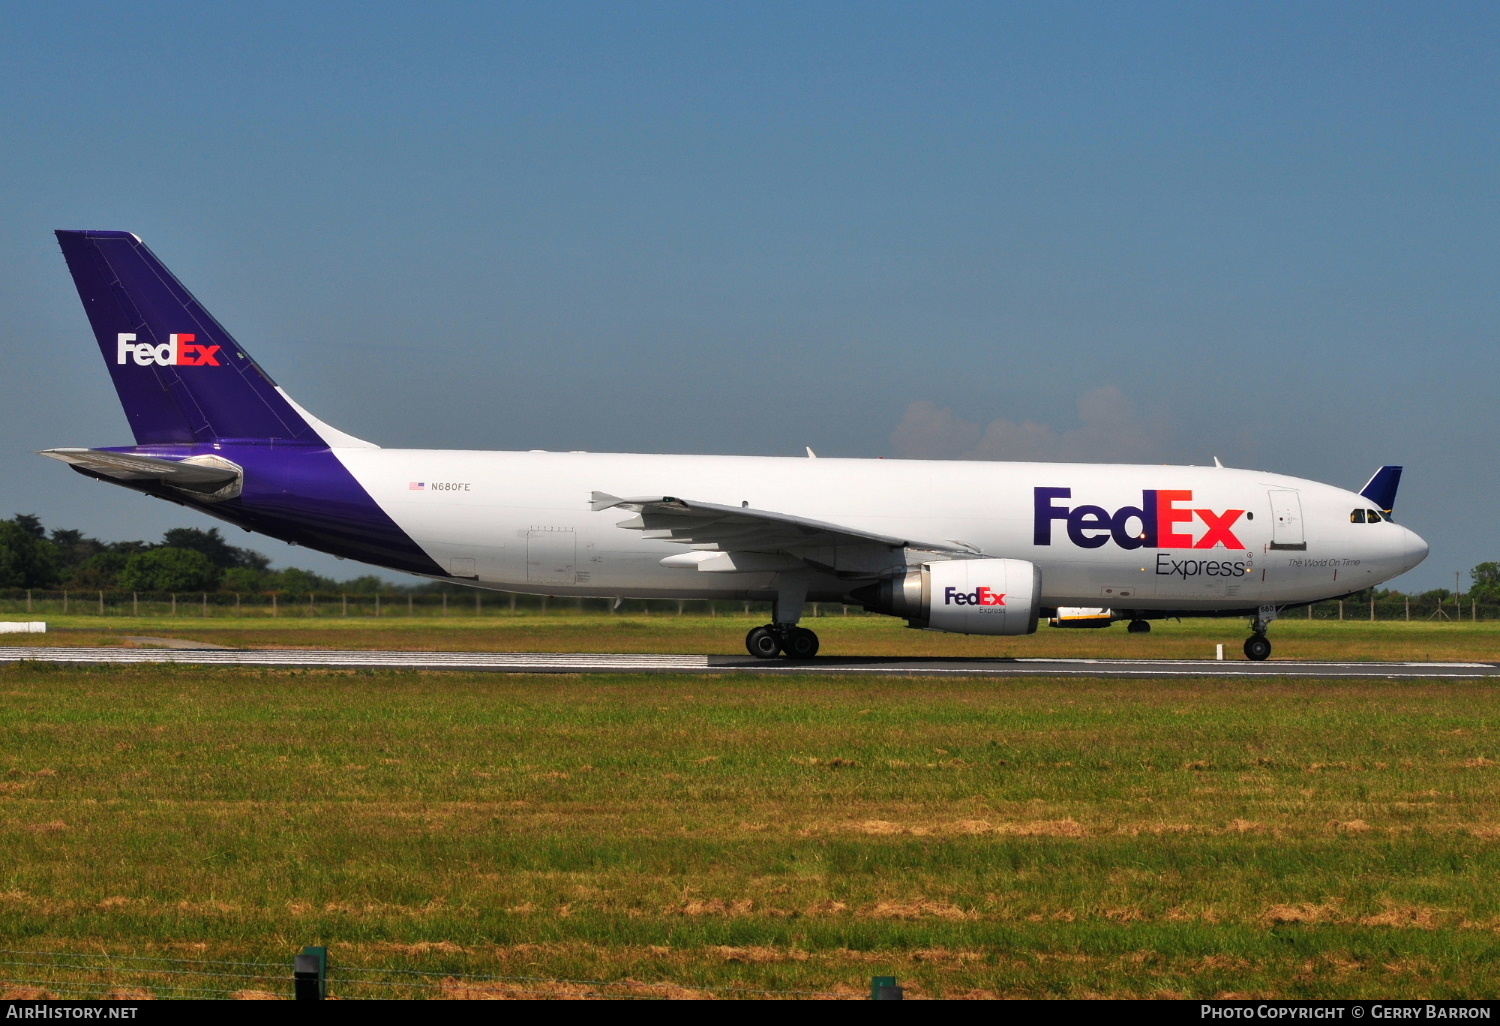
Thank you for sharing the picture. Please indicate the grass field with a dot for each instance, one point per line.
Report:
(1294, 638)
(1019, 837)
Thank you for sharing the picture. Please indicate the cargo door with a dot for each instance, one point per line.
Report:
(550, 555)
(1286, 520)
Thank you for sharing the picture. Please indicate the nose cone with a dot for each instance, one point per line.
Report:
(1416, 548)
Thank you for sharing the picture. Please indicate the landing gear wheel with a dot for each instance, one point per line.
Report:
(799, 643)
(1257, 647)
(763, 642)
(1139, 627)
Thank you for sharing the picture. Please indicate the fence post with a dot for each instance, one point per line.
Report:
(236, 603)
(65, 603)
(1372, 605)
(174, 603)
(274, 611)
(101, 603)
(1341, 609)
(28, 600)
(205, 605)
(1408, 607)
(345, 599)
(377, 601)
(310, 974)
(883, 988)
(135, 603)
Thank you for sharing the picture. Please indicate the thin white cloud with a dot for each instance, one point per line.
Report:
(1110, 430)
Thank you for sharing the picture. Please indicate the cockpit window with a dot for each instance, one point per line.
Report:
(1357, 517)
(1374, 515)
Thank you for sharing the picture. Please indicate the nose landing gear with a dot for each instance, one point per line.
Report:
(1257, 645)
(781, 639)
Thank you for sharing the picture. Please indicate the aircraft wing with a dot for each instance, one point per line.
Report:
(123, 466)
(740, 529)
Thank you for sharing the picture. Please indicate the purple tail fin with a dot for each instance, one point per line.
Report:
(181, 377)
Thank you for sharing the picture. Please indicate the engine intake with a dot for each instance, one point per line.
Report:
(962, 596)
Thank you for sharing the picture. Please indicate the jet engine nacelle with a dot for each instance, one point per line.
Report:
(962, 596)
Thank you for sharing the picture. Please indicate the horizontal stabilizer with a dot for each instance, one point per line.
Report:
(1381, 489)
(205, 474)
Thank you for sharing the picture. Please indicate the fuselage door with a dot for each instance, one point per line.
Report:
(1286, 520)
(551, 554)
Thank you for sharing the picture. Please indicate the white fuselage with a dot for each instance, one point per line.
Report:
(521, 521)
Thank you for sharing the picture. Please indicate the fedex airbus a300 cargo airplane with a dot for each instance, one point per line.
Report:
(974, 548)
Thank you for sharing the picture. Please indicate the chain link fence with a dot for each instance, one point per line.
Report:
(17, 603)
(32, 604)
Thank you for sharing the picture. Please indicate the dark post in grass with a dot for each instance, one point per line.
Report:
(883, 988)
(310, 974)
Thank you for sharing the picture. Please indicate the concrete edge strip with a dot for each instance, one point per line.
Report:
(636, 662)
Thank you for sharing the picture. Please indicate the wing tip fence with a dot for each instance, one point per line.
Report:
(312, 976)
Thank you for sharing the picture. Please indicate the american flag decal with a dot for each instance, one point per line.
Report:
(418, 486)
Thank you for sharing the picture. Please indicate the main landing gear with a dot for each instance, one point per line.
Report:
(782, 636)
(1257, 645)
(1139, 627)
(781, 639)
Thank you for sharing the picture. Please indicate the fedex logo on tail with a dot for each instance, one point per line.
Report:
(1165, 519)
(178, 351)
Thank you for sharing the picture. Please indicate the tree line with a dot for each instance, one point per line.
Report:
(187, 559)
(190, 559)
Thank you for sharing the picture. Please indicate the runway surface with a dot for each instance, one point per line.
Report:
(585, 662)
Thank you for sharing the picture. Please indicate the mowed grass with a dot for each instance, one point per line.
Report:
(1017, 837)
(1293, 637)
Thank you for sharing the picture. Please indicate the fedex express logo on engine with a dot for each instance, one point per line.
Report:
(1154, 524)
(981, 597)
(178, 351)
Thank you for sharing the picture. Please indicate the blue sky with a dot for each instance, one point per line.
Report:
(1156, 232)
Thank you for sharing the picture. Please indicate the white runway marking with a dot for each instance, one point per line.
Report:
(585, 662)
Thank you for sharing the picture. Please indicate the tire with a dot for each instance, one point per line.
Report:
(800, 643)
(1257, 647)
(1139, 627)
(763, 643)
